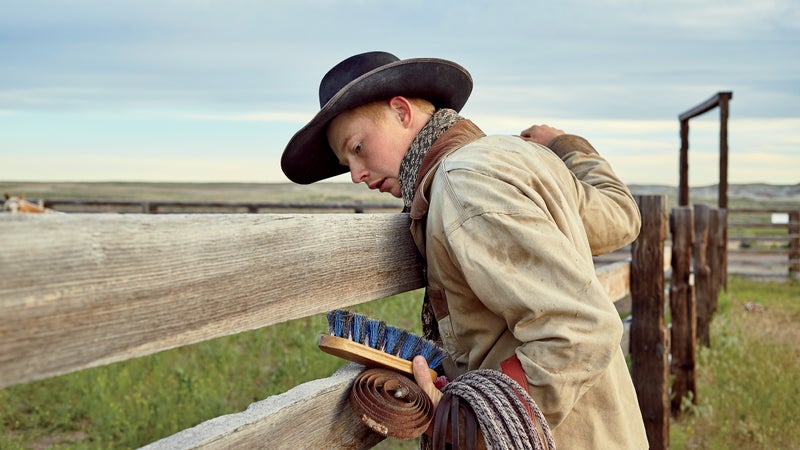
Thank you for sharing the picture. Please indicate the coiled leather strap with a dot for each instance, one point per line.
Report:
(391, 404)
(458, 415)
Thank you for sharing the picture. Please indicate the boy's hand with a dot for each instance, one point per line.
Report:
(541, 134)
(422, 375)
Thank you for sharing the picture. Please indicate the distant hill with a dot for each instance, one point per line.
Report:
(750, 191)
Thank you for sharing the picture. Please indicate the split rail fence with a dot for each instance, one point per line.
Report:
(83, 290)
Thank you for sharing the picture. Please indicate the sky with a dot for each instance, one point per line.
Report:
(212, 90)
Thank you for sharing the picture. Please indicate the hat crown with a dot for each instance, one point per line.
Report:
(350, 69)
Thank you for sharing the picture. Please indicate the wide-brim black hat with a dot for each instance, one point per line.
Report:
(362, 79)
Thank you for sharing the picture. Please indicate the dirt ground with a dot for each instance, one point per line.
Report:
(769, 266)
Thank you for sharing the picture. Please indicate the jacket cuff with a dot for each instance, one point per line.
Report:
(569, 143)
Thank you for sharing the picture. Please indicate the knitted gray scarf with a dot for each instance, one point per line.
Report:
(440, 122)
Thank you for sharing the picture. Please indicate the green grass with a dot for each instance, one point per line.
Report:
(748, 382)
(135, 402)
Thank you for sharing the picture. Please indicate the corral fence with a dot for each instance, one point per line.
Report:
(758, 232)
(83, 290)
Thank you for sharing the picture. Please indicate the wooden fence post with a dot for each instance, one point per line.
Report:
(722, 256)
(794, 244)
(716, 258)
(682, 306)
(650, 367)
(713, 260)
(703, 277)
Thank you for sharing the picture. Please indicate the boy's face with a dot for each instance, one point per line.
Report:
(371, 143)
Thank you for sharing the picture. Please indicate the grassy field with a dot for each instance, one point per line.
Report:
(749, 380)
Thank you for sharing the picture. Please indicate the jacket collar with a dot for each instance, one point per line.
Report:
(462, 133)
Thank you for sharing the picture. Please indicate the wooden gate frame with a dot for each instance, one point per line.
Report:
(720, 99)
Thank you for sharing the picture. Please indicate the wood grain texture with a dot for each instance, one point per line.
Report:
(649, 352)
(312, 415)
(683, 330)
(703, 277)
(78, 291)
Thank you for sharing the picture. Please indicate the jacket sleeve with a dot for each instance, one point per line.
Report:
(524, 269)
(609, 212)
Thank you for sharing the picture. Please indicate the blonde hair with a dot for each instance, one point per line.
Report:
(375, 110)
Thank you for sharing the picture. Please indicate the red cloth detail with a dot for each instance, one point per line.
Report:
(513, 368)
(440, 382)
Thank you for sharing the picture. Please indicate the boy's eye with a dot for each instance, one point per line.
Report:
(357, 149)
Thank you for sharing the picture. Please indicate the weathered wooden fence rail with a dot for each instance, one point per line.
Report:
(83, 290)
(161, 207)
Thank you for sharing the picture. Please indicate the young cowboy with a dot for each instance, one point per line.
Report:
(507, 225)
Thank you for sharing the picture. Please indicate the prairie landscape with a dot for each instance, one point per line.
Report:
(740, 195)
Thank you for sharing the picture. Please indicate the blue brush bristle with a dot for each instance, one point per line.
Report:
(332, 323)
(340, 322)
(358, 331)
(412, 346)
(405, 336)
(432, 353)
(392, 339)
(378, 335)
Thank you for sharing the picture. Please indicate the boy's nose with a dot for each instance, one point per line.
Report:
(358, 174)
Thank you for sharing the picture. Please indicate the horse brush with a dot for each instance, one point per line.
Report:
(373, 343)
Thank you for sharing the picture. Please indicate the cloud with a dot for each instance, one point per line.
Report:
(232, 80)
(279, 117)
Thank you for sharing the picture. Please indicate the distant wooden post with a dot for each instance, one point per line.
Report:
(358, 207)
(650, 367)
(703, 284)
(683, 165)
(682, 306)
(722, 255)
(716, 228)
(794, 244)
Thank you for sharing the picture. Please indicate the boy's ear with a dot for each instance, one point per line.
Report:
(402, 107)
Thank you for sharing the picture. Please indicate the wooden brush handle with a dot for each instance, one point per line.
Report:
(367, 356)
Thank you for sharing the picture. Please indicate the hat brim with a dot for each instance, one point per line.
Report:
(308, 157)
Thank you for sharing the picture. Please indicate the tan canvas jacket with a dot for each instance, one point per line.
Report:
(508, 236)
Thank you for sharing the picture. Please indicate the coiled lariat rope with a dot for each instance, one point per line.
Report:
(496, 402)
